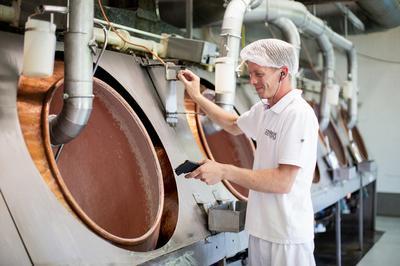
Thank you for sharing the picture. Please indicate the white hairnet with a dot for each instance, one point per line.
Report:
(271, 53)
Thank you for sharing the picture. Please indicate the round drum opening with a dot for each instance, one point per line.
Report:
(220, 145)
(335, 143)
(358, 139)
(110, 174)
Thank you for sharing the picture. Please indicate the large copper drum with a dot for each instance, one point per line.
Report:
(221, 146)
(336, 144)
(110, 175)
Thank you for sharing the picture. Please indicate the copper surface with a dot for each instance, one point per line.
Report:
(109, 175)
(358, 139)
(336, 144)
(317, 175)
(169, 217)
(222, 147)
(31, 95)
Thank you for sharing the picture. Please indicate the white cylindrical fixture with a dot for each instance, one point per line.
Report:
(332, 94)
(224, 67)
(7, 13)
(39, 48)
(347, 89)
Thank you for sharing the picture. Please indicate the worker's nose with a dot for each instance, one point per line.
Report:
(253, 81)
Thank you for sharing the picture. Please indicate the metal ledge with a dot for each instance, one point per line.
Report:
(328, 195)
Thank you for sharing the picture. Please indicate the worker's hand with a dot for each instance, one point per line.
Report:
(191, 83)
(210, 172)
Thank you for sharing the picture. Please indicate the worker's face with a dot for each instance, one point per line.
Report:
(264, 79)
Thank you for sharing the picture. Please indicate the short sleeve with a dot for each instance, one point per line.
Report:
(299, 135)
(248, 121)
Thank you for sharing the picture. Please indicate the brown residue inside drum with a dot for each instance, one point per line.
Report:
(105, 169)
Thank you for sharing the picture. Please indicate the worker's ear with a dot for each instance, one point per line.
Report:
(283, 74)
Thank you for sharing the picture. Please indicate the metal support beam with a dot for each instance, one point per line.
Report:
(361, 214)
(189, 18)
(338, 235)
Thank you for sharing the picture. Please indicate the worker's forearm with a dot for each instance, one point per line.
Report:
(266, 180)
(218, 115)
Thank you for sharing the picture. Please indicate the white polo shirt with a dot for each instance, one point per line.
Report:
(287, 133)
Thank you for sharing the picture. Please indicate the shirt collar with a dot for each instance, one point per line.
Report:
(283, 102)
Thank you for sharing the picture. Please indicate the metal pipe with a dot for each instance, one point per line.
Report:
(231, 34)
(255, 3)
(361, 214)
(116, 41)
(189, 18)
(385, 13)
(78, 72)
(338, 235)
(299, 14)
(312, 25)
(351, 16)
(327, 79)
(7, 13)
(51, 9)
(352, 76)
(292, 35)
(119, 26)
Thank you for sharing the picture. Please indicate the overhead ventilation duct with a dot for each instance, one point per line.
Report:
(375, 15)
(226, 64)
(305, 21)
(384, 13)
(78, 93)
(327, 84)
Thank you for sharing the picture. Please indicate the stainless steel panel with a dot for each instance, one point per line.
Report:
(227, 217)
(12, 251)
(191, 50)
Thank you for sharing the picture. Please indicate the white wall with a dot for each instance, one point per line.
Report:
(379, 113)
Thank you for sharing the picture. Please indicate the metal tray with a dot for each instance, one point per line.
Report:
(227, 217)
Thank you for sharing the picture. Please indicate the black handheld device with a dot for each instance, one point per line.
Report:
(186, 167)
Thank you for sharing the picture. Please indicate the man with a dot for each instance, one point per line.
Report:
(279, 215)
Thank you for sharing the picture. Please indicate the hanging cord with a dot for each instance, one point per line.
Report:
(378, 59)
(188, 113)
(122, 37)
(104, 46)
(58, 153)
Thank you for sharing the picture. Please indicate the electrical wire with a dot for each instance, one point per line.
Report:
(58, 153)
(378, 59)
(105, 31)
(122, 37)
(188, 113)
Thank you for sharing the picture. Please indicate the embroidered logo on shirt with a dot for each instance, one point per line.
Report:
(270, 134)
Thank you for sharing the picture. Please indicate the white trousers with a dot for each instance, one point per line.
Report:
(265, 253)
